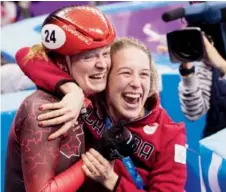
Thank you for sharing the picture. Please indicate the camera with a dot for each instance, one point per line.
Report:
(187, 45)
(116, 143)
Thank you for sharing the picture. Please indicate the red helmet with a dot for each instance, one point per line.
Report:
(75, 29)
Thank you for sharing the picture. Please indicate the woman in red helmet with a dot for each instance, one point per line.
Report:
(80, 46)
(159, 158)
(67, 34)
(155, 159)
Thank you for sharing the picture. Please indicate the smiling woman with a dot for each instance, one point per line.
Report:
(90, 69)
(53, 162)
(137, 76)
(131, 98)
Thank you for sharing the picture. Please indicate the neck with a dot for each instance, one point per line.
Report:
(142, 113)
(111, 112)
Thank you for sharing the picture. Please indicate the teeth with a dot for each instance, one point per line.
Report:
(133, 95)
(97, 76)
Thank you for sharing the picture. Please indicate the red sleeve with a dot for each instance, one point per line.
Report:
(169, 173)
(40, 157)
(44, 74)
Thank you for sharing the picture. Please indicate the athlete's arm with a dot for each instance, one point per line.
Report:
(40, 157)
(45, 74)
(48, 76)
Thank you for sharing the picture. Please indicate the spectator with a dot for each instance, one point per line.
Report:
(8, 12)
(13, 78)
(203, 90)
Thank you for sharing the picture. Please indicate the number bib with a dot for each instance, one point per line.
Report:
(53, 37)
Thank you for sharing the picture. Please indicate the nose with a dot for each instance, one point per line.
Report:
(135, 81)
(101, 63)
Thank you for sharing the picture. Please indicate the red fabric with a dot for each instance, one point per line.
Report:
(35, 164)
(155, 153)
(81, 32)
(45, 74)
(49, 165)
(166, 175)
(154, 157)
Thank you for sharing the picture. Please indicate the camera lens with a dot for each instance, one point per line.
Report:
(186, 45)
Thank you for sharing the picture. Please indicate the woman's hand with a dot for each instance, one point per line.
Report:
(66, 111)
(213, 57)
(99, 169)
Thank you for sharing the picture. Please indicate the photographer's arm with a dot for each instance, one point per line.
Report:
(194, 90)
(213, 57)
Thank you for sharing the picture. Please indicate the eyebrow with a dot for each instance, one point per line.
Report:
(148, 70)
(121, 68)
(98, 49)
(94, 51)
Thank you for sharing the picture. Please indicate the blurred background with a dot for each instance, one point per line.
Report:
(21, 24)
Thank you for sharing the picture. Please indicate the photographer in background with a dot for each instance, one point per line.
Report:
(202, 89)
(203, 85)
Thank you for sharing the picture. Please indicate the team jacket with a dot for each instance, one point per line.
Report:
(160, 154)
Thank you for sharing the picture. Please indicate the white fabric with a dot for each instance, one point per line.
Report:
(13, 79)
(194, 92)
(10, 11)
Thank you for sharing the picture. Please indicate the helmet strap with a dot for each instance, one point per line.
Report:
(69, 65)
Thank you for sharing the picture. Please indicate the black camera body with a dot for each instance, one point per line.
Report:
(187, 45)
(116, 143)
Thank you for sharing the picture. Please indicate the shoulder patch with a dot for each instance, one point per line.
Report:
(180, 154)
(150, 129)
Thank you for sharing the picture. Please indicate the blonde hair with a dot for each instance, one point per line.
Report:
(125, 42)
(37, 52)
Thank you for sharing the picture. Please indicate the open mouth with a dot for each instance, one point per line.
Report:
(97, 76)
(132, 99)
